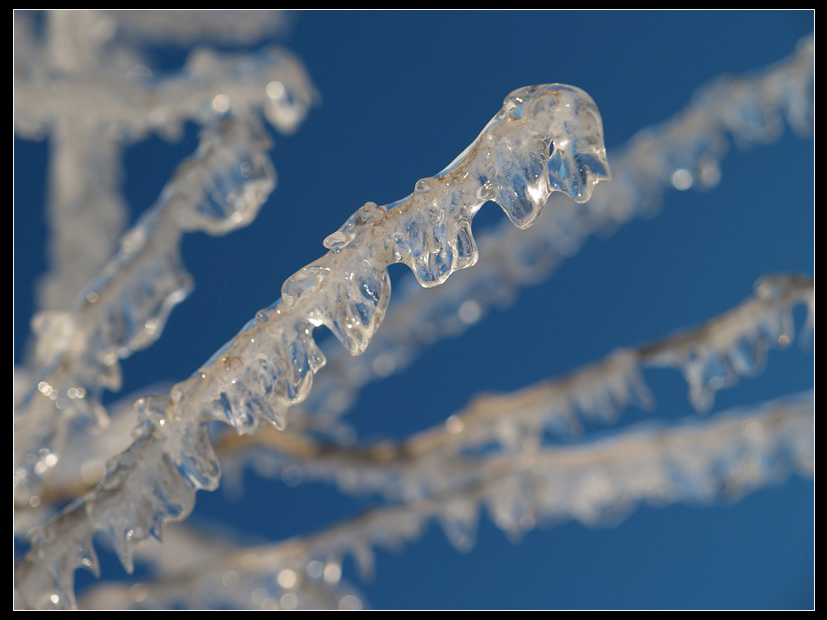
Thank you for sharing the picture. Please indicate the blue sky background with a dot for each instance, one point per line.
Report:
(402, 94)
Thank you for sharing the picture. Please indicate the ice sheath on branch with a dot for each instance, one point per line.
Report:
(217, 190)
(93, 94)
(544, 139)
(692, 142)
(687, 150)
(86, 80)
(437, 461)
(597, 481)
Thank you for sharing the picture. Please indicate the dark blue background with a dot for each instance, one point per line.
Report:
(402, 94)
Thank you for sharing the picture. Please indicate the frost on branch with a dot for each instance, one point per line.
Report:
(544, 139)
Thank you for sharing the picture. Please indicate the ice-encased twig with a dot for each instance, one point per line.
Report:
(544, 139)
(517, 421)
(92, 103)
(220, 188)
(681, 153)
(701, 460)
(55, 84)
(736, 343)
(271, 79)
(711, 357)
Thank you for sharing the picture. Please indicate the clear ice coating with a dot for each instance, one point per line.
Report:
(736, 343)
(348, 289)
(354, 230)
(269, 365)
(545, 138)
(687, 148)
(441, 460)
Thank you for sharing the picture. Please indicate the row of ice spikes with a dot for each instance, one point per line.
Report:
(711, 357)
(595, 482)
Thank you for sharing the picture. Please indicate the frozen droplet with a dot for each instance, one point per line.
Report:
(682, 179)
(423, 186)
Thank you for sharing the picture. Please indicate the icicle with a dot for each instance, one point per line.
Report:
(459, 519)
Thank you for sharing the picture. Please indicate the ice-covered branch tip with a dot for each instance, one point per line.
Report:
(544, 139)
(690, 145)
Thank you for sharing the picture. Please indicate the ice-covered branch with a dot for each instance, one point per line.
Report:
(681, 153)
(124, 309)
(734, 344)
(104, 307)
(544, 139)
(711, 357)
(92, 93)
(271, 79)
(280, 390)
(594, 482)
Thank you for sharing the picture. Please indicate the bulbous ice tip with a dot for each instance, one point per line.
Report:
(578, 158)
(577, 155)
